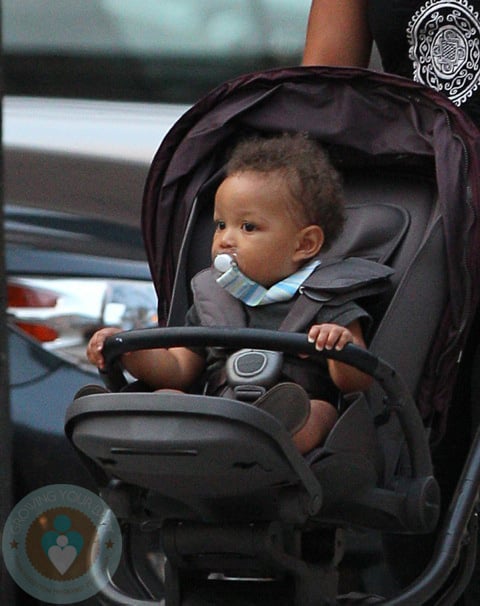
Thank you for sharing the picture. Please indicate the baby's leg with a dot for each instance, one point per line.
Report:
(323, 417)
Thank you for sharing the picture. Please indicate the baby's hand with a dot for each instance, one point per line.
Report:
(329, 336)
(95, 346)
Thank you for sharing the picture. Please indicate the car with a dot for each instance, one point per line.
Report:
(74, 258)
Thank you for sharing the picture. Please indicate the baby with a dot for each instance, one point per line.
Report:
(279, 204)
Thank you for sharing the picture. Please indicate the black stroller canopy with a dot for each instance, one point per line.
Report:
(364, 118)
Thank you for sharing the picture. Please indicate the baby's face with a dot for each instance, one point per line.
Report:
(253, 223)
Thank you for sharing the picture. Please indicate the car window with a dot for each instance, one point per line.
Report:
(170, 50)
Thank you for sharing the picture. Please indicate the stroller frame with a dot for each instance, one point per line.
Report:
(378, 478)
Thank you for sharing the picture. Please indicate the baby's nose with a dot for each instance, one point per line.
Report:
(227, 238)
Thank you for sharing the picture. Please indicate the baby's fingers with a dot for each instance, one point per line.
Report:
(321, 335)
(329, 336)
(344, 338)
(334, 338)
(94, 352)
(95, 346)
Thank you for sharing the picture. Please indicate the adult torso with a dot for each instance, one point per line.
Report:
(435, 42)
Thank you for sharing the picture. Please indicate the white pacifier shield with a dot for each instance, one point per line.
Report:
(223, 262)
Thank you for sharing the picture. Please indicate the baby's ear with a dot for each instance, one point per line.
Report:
(310, 241)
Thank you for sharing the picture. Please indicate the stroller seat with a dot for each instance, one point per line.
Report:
(232, 500)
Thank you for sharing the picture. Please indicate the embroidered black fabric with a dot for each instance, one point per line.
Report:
(435, 42)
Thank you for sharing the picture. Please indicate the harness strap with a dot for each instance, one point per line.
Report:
(335, 282)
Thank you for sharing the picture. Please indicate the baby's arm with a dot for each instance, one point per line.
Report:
(174, 368)
(333, 336)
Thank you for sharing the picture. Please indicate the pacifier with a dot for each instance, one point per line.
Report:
(223, 262)
(235, 282)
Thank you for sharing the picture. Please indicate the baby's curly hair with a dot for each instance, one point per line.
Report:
(314, 184)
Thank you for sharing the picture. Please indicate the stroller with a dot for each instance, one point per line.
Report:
(235, 514)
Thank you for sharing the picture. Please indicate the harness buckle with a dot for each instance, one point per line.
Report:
(250, 372)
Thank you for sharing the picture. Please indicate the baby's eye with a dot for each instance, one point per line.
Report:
(219, 225)
(248, 227)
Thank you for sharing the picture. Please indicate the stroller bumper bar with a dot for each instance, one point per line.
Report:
(398, 398)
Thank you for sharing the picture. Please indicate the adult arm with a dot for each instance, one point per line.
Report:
(338, 34)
